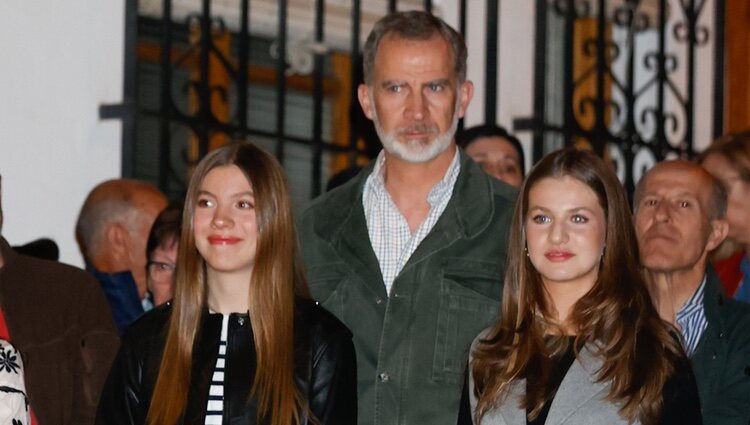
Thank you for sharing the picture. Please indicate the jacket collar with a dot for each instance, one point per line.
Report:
(470, 194)
(468, 213)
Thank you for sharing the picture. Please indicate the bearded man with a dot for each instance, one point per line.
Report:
(409, 254)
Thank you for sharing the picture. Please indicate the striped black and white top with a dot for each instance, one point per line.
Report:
(215, 407)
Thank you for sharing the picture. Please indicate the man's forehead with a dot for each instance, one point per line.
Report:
(439, 46)
(676, 179)
(395, 37)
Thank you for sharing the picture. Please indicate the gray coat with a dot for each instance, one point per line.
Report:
(580, 400)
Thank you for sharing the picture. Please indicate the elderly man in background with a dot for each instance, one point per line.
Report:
(680, 216)
(112, 232)
(57, 318)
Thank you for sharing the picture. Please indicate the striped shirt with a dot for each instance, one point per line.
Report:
(692, 320)
(743, 291)
(215, 406)
(390, 236)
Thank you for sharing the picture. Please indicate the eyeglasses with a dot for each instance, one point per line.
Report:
(158, 268)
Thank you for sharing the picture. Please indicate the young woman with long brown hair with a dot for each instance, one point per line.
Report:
(578, 341)
(241, 342)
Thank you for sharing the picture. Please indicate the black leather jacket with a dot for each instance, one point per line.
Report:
(325, 369)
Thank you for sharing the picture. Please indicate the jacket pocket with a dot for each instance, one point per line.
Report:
(470, 291)
(325, 283)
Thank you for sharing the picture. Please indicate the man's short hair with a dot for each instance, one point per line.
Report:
(112, 201)
(718, 208)
(718, 200)
(467, 136)
(414, 25)
(166, 229)
(734, 147)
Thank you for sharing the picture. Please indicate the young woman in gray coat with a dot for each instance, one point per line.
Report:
(578, 341)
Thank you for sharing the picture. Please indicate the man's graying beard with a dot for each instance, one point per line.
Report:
(416, 151)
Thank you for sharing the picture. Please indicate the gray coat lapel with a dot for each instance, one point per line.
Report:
(510, 413)
(577, 388)
(579, 400)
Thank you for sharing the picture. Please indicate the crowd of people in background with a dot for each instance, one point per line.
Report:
(440, 284)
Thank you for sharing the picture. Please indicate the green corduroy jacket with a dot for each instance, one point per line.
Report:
(412, 346)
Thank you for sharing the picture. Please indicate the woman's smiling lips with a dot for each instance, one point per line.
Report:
(558, 255)
(222, 240)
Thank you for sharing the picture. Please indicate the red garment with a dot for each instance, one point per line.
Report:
(4, 334)
(730, 273)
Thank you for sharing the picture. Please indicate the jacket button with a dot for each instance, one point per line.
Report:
(384, 377)
(378, 300)
(241, 321)
(721, 334)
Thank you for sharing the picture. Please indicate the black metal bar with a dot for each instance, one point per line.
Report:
(129, 89)
(719, 65)
(355, 75)
(462, 17)
(629, 93)
(462, 31)
(108, 111)
(428, 5)
(540, 81)
(600, 123)
(243, 47)
(391, 6)
(204, 84)
(569, 118)
(630, 77)
(318, 101)
(490, 69)
(281, 81)
(165, 96)
(660, 134)
(692, 21)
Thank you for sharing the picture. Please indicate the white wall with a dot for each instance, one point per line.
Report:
(61, 60)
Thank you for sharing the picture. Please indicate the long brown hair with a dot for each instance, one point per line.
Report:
(277, 277)
(616, 316)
